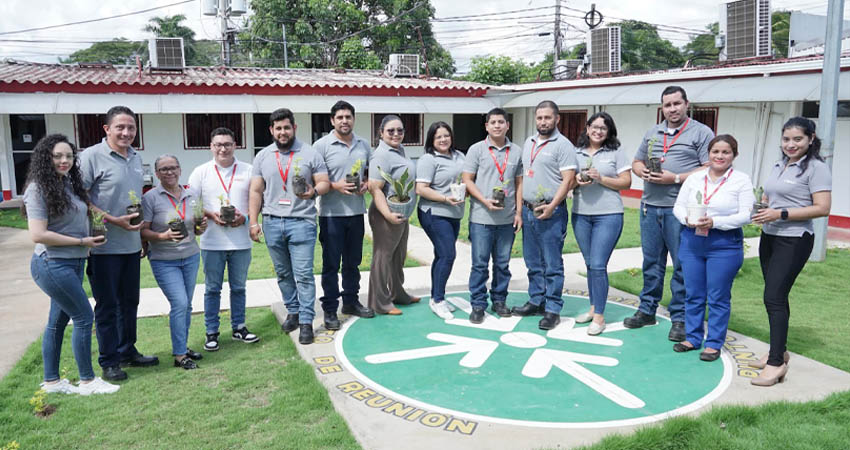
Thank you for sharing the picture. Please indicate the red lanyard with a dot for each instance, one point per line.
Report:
(232, 176)
(534, 155)
(283, 175)
(707, 197)
(181, 214)
(503, 168)
(678, 133)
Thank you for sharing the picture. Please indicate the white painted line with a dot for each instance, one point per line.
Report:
(477, 351)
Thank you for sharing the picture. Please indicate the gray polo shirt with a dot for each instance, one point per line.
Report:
(339, 158)
(440, 171)
(281, 202)
(480, 163)
(73, 222)
(596, 199)
(689, 151)
(108, 177)
(552, 155)
(393, 161)
(158, 211)
(784, 189)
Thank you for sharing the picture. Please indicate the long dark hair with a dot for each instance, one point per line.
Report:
(611, 140)
(808, 128)
(44, 175)
(432, 131)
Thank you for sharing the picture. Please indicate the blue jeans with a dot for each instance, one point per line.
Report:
(709, 265)
(659, 233)
(596, 236)
(443, 233)
(542, 241)
(290, 241)
(341, 239)
(114, 283)
(490, 241)
(176, 278)
(237, 262)
(62, 280)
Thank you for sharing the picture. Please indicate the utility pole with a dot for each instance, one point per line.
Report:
(285, 57)
(828, 106)
(557, 32)
(223, 14)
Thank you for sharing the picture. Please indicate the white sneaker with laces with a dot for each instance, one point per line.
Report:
(97, 386)
(441, 309)
(593, 329)
(62, 386)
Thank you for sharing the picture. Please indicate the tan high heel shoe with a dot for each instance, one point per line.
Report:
(763, 361)
(770, 376)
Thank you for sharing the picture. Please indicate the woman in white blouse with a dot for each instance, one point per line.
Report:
(712, 245)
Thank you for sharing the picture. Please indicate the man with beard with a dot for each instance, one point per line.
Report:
(289, 220)
(341, 212)
(681, 143)
(549, 165)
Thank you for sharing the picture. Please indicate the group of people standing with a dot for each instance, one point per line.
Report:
(512, 187)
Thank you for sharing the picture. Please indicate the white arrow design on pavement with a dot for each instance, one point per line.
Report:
(491, 322)
(566, 331)
(542, 361)
(477, 350)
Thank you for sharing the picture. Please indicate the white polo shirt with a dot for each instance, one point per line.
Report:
(206, 179)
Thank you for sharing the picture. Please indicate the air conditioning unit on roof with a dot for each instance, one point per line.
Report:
(403, 65)
(603, 47)
(746, 26)
(166, 53)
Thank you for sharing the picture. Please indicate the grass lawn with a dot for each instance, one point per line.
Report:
(12, 218)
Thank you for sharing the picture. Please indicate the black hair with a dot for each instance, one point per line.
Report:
(808, 127)
(727, 138)
(341, 105)
(496, 112)
(387, 119)
(611, 140)
(672, 90)
(432, 131)
(281, 114)
(547, 104)
(44, 175)
(117, 111)
(223, 131)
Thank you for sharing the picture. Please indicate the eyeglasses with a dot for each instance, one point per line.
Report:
(599, 129)
(219, 146)
(61, 156)
(394, 131)
(169, 169)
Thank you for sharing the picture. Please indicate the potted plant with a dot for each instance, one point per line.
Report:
(759, 204)
(696, 210)
(652, 163)
(353, 176)
(299, 183)
(135, 207)
(458, 189)
(539, 200)
(198, 214)
(400, 202)
(499, 194)
(583, 176)
(227, 212)
(175, 223)
(98, 223)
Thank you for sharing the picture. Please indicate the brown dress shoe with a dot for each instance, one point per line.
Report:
(394, 312)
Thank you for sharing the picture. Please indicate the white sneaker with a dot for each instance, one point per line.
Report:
(97, 386)
(584, 317)
(441, 309)
(593, 329)
(63, 386)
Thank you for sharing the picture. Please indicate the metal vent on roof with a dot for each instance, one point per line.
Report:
(403, 65)
(166, 53)
(604, 50)
(746, 25)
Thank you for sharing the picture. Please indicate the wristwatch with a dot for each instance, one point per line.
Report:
(784, 214)
(678, 180)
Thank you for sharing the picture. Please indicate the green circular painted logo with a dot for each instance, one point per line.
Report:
(506, 370)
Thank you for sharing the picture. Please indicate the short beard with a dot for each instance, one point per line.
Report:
(542, 133)
(286, 146)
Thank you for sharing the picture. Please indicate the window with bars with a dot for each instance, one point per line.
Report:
(706, 115)
(572, 124)
(197, 129)
(89, 129)
(413, 134)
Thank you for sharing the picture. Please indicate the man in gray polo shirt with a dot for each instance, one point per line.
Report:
(289, 220)
(549, 166)
(492, 163)
(110, 170)
(341, 211)
(681, 144)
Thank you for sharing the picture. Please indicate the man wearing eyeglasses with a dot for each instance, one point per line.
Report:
(224, 184)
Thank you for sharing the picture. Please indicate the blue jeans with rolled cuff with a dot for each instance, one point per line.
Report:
(490, 241)
(443, 232)
(660, 232)
(542, 241)
(342, 240)
(176, 278)
(597, 235)
(290, 241)
(237, 263)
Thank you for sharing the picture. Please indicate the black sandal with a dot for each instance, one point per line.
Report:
(681, 348)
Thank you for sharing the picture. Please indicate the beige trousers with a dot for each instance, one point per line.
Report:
(386, 276)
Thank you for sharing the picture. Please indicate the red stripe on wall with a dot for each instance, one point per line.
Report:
(7, 194)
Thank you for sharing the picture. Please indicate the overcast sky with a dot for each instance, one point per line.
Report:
(465, 39)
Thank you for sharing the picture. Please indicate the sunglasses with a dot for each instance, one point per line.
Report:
(394, 131)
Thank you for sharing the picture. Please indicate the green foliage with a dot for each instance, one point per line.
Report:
(540, 193)
(98, 219)
(12, 218)
(171, 26)
(758, 193)
(780, 27)
(352, 55)
(355, 168)
(13, 445)
(402, 186)
(116, 51)
(134, 198)
(223, 200)
(644, 49)
(701, 48)
(501, 186)
(497, 70)
(699, 198)
(38, 401)
(297, 167)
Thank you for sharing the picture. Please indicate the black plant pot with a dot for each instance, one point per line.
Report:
(353, 179)
(757, 207)
(98, 231)
(228, 214)
(180, 227)
(299, 184)
(499, 198)
(654, 165)
(132, 209)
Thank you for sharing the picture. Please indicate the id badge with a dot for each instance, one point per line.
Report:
(285, 202)
(530, 173)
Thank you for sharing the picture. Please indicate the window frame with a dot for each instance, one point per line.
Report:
(239, 133)
(376, 124)
(715, 109)
(139, 133)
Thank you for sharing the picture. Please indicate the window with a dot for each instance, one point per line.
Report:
(197, 129)
(262, 136)
(413, 134)
(469, 129)
(705, 115)
(811, 110)
(321, 125)
(89, 129)
(572, 124)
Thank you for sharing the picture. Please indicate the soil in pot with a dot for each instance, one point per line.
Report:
(353, 179)
(299, 184)
(132, 209)
(654, 165)
(228, 213)
(98, 231)
(180, 227)
(499, 198)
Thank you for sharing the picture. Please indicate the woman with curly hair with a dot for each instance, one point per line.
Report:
(55, 205)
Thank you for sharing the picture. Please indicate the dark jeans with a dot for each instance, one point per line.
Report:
(341, 239)
(114, 283)
(782, 258)
(659, 233)
(542, 241)
(443, 233)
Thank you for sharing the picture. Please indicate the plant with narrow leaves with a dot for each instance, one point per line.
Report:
(589, 164)
(650, 145)
(134, 199)
(758, 193)
(98, 219)
(223, 200)
(503, 186)
(401, 186)
(297, 167)
(699, 198)
(355, 168)
(540, 194)
(198, 208)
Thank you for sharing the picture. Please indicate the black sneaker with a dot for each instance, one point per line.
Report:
(140, 360)
(331, 320)
(194, 355)
(549, 321)
(242, 334)
(529, 309)
(290, 324)
(186, 363)
(356, 309)
(477, 315)
(211, 345)
(500, 309)
(305, 336)
(677, 332)
(639, 320)
(114, 373)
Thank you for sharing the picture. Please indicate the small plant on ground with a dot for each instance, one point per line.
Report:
(13, 445)
(39, 404)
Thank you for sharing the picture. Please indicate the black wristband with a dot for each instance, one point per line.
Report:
(784, 214)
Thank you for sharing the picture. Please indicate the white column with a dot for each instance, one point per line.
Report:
(7, 171)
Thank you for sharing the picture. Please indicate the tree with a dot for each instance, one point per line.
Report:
(644, 49)
(701, 48)
(170, 26)
(318, 30)
(496, 70)
(352, 55)
(780, 27)
(116, 51)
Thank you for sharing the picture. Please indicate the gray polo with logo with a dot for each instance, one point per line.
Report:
(440, 171)
(688, 152)
(553, 155)
(74, 222)
(275, 197)
(784, 190)
(595, 199)
(109, 177)
(480, 163)
(158, 210)
(393, 161)
(339, 158)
